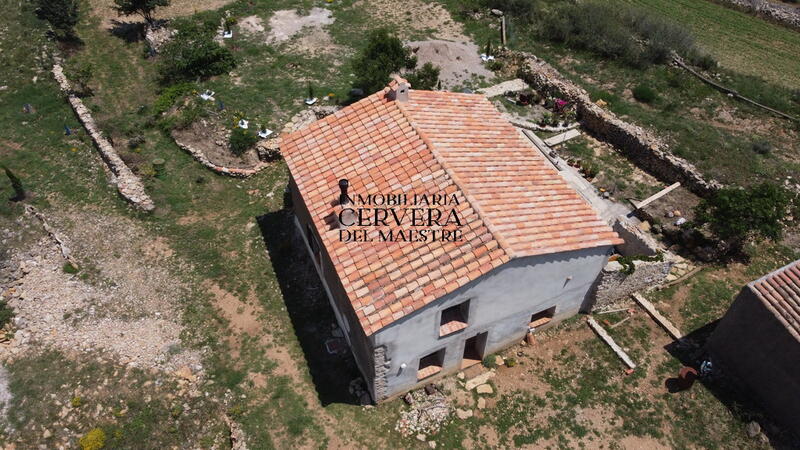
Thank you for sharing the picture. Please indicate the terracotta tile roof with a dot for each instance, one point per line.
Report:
(780, 293)
(511, 201)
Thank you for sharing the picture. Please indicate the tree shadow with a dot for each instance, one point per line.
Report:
(129, 32)
(310, 312)
(691, 352)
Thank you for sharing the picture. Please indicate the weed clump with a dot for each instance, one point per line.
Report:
(241, 140)
(95, 439)
(645, 93)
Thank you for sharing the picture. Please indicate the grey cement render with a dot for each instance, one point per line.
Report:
(501, 303)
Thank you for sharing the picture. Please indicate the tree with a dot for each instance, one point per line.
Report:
(383, 55)
(193, 54)
(735, 214)
(144, 8)
(425, 78)
(16, 184)
(62, 15)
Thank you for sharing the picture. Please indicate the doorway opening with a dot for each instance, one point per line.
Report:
(474, 348)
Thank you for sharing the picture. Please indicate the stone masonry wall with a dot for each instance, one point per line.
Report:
(128, 184)
(643, 148)
(381, 370)
(613, 284)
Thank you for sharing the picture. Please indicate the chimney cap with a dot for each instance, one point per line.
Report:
(343, 185)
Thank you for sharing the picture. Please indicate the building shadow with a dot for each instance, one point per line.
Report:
(691, 352)
(310, 312)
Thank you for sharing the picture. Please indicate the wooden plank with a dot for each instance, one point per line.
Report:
(658, 317)
(610, 341)
(656, 196)
(563, 137)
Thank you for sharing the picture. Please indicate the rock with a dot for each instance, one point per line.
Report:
(499, 360)
(480, 379)
(497, 12)
(460, 375)
(46, 434)
(481, 403)
(186, 373)
(484, 389)
(463, 414)
(432, 444)
(753, 429)
(408, 398)
(421, 437)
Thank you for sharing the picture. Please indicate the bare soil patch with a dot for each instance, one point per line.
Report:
(286, 23)
(459, 62)
(414, 18)
(212, 140)
(127, 308)
(104, 9)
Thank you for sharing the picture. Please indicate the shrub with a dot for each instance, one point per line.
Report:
(489, 361)
(169, 96)
(762, 147)
(425, 78)
(76, 402)
(702, 60)
(95, 439)
(241, 140)
(737, 214)
(62, 15)
(627, 33)
(383, 55)
(193, 54)
(6, 313)
(644, 93)
(69, 268)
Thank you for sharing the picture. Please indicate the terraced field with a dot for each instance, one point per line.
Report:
(740, 42)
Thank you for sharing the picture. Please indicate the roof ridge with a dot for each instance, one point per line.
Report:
(470, 198)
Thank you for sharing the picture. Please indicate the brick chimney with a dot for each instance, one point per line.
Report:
(398, 89)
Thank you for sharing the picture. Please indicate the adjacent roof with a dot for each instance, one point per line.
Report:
(780, 293)
(512, 201)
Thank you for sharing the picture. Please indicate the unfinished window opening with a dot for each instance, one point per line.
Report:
(474, 348)
(454, 319)
(542, 317)
(430, 365)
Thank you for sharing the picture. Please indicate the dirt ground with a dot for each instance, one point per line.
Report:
(415, 17)
(177, 8)
(208, 138)
(459, 62)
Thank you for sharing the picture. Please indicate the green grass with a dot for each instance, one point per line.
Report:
(739, 41)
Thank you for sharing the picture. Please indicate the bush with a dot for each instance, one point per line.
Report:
(93, 440)
(489, 361)
(169, 96)
(241, 140)
(144, 8)
(62, 15)
(193, 54)
(762, 147)
(425, 78)
(630, 34)
(383, 55)
(69, 268)
(644, 93)
(702, 60)
(736, 214)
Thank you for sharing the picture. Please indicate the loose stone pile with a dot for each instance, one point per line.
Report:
(426, 414)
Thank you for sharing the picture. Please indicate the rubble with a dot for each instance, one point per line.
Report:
(425, 416)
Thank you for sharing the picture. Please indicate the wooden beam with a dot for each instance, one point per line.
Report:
(658, 317)
(610, 341)
(655, 196)
(563, 137)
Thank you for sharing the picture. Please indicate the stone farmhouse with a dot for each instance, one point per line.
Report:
(441, 235)
(757, 343)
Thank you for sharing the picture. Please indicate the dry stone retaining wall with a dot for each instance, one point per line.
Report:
(776, 12)
(640, 146)
(128, 184)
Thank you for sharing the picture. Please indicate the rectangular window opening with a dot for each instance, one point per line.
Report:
(454, 318)
(541, 318)
(430, 365)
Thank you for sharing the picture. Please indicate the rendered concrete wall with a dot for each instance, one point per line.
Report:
(501, 302)
(755, 349)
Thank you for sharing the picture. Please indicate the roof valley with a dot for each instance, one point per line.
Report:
(504, 245)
